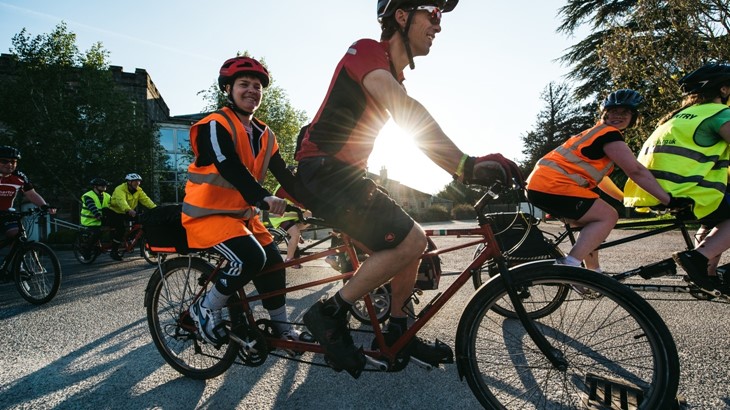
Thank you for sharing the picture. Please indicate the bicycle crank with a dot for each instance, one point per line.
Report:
(252, 344)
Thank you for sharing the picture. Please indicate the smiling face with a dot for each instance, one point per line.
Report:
(7, 166)
(422, 33)
(246, 92)
(619, 117)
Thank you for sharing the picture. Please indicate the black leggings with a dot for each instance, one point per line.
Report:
(246, 258)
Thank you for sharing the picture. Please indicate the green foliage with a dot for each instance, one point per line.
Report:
(434, 213)
(644, 45)
(275, 110)
(561, 118)
(463, 212)
(62, 110)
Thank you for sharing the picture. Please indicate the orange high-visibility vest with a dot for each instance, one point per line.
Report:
(565, 171)
(213, 210)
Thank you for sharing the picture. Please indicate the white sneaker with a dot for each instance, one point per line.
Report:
(295, 335)
(209, 323)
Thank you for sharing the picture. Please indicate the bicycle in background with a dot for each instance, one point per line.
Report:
(86, 248)
(614, 351)
(33, 266)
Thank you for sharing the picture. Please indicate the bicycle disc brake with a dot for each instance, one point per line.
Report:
(252, 344)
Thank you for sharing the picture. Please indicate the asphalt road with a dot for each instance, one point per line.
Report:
(90, 348)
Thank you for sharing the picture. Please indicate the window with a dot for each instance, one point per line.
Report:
(172, 173)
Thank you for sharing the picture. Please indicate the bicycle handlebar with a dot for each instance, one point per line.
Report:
(11, 213)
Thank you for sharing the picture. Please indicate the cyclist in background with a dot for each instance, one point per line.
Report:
(122, 208)
(563, 182)
(366, 90)
(93, 203)
(12, 182)
(688, 154)
(233, 150)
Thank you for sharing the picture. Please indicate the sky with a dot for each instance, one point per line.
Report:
(481, 81)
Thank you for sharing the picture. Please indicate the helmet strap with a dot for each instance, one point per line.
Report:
(406, 42)
(232, 105)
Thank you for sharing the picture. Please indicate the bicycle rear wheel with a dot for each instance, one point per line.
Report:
(618, 349)
(168, 296)
(37, 273)
(83, 255)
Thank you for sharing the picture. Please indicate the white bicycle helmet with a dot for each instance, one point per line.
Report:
(133, 177)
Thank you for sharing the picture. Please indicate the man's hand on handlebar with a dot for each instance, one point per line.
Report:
(487, 169)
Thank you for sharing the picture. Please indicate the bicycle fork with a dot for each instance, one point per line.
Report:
(555, 357)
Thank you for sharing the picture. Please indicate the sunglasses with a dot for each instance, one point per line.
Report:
(434, 13)
(5, 161)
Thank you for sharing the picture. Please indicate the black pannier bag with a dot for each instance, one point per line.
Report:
(510, 227)
(163, 229)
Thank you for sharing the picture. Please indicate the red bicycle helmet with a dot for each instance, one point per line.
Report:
(236, 66)
(388, 7)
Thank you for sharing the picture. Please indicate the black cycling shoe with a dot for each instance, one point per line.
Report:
(695, 264)
(433, 353)
(331, 332)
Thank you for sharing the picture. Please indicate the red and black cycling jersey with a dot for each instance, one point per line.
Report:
(10, 185)
(349, 119)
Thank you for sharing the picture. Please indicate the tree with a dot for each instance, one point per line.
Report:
(61, 108)
(644, 45)
(559, 120)
(275, 110)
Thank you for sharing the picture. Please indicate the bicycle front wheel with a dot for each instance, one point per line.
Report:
(168, 296)
(148, 255)
(619, 352)
(37, 273)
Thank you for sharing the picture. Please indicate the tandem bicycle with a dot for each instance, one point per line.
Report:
(90, 243)
(647, 228)
(610, 352)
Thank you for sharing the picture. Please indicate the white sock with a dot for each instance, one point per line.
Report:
(215, 300)
(278, 316)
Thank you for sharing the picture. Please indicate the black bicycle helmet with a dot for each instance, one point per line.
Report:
(623, 98)
(6, 151)
(388, 7)
(705, 78)
(99, 182)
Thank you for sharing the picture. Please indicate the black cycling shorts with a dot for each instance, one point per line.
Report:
(561, 206)
(345, 197)
(722, 213)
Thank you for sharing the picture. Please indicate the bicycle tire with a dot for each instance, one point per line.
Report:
(536, 307)
(37, 273)
(173, 332)
(616, 340)
(148, 255)
(78, 254)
